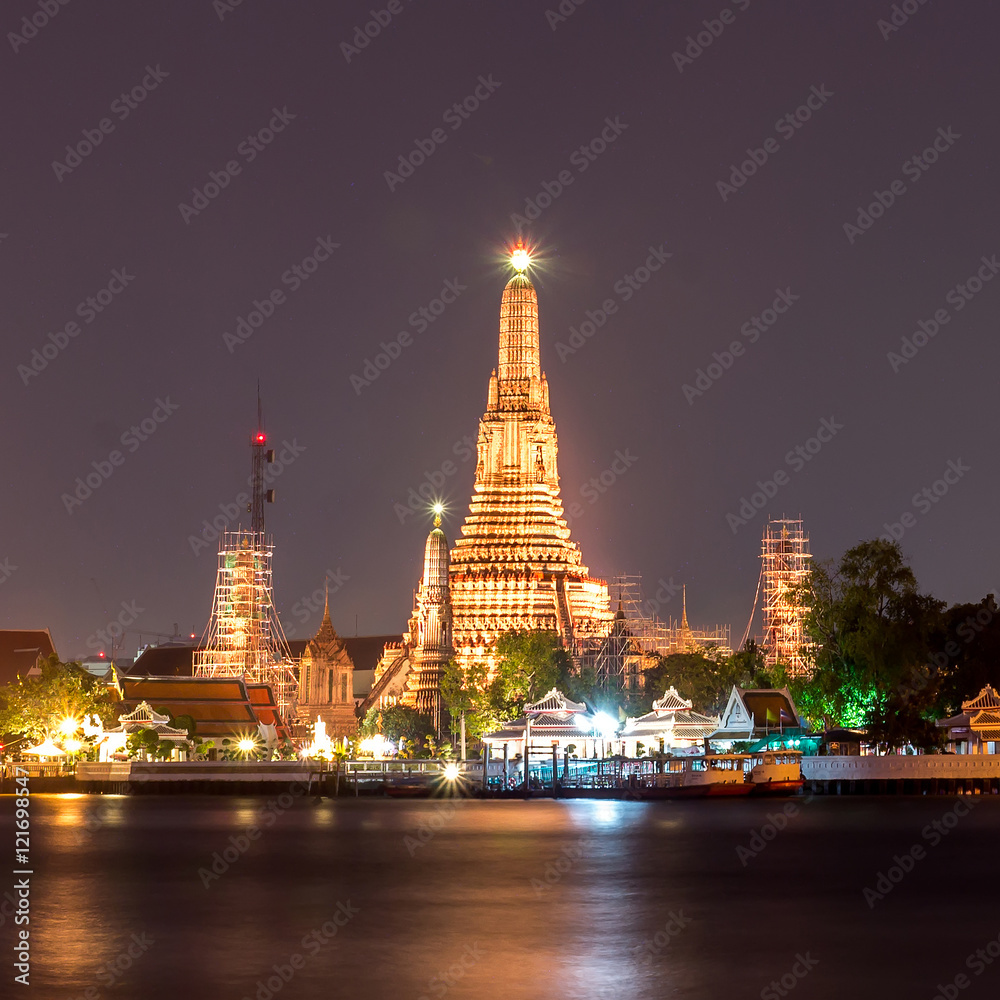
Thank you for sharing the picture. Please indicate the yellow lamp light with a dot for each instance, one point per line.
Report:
(520, 258)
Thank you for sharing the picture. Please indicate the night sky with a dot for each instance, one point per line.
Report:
(675, 127)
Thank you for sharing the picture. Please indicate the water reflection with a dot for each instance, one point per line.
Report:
(511, 900)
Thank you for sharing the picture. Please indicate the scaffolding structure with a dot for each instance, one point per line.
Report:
(784, 569)
(244, 637)
(637, 636)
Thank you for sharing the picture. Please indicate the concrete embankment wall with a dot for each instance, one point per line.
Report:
(926, 774)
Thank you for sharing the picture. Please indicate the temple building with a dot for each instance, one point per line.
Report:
(976, 729)
(515, 566)
(757, 714)
(554, 721)
(672, 725)
(410, 671)
(326, 681)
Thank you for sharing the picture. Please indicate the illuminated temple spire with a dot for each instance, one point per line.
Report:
(515, 566)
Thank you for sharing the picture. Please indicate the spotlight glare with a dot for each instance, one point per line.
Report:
(520, 258)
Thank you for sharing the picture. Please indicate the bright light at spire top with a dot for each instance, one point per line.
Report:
(520, 258)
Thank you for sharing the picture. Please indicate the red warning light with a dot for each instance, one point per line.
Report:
(260, 438)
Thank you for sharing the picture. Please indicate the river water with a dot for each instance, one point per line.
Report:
(370, 899)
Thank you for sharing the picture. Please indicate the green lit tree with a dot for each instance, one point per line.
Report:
(874, 633)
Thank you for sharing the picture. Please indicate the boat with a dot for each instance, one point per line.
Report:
(775, 772)
(704, 776)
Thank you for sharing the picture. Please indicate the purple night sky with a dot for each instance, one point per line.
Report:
(636, 154)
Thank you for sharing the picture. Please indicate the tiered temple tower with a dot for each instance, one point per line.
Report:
(430, 628)
(326, 681)
(515, 566)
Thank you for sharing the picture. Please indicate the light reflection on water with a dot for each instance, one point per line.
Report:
(506, 900)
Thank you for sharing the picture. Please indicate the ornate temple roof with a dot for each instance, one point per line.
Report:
(987, 698)
(515, 565)
(326, 642)
(671, 702)
(556, 704)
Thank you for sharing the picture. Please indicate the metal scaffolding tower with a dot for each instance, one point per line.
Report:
(244, 637)
(637, 635)
(784, 568)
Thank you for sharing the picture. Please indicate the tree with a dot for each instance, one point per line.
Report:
(33, 707)
(966, 654)
(529, 664)
(873, 632)
(397, 722)
(466, 691)
(704, 677)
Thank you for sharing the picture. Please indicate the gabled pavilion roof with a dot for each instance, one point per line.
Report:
(143, 713)
(555, 703)
(986, 699)
(756, 712)
(671, 702)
